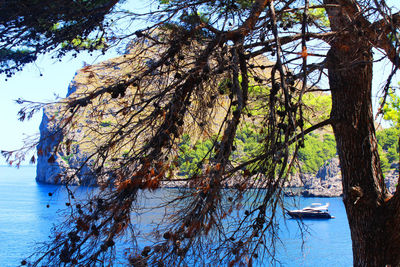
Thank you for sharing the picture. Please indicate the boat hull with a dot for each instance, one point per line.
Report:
(309, 215)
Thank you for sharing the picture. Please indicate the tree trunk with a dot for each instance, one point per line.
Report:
(373, 217)
(353, 125)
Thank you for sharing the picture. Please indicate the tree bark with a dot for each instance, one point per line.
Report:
(373, 217)
(353, 125)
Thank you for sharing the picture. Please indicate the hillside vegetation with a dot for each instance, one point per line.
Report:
(195, 149)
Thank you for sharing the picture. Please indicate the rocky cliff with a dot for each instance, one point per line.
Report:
(74, 136)
(61, 156)
(48, 167)
(327, 182)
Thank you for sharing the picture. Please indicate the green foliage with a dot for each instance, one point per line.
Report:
(391, 109)
(385, 165)
(30, 28)
(257, 107)
(224, 86)
(247, 143)
(125, 153)
(67, 158)
(393, 154)
(317, 108)
(319, 16)
(80, 43)
(388, 147)
(20, 56)
(388, 137)
(105, 123)
(393, 37)
(316, 151)
(192, 157)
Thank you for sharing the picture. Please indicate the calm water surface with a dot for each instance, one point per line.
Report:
(25, 220)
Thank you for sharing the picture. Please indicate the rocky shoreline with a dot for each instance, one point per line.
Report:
(327, 182)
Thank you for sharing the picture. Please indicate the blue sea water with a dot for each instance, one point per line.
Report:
(25, 220)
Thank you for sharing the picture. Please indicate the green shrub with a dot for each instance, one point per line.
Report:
(316, 151)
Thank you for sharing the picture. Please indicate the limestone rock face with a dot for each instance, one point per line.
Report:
(392, 178)
(48, 164)
(326, 183)
(328, 180)
(55, 165)
(60, 158)
(76, 128)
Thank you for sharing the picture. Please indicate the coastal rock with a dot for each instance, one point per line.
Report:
(60, 159)
(57, 163)
(328, 180)
(49, 165)
(392, 178)
(296, 180)
(326, 183)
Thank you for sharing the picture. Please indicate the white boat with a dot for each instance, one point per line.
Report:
(316, 210)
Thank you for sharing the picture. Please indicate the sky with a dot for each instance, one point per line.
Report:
(29, 84)
(43, 81)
